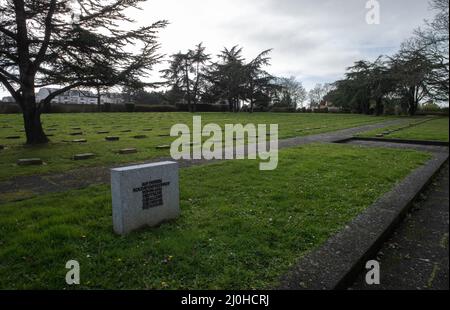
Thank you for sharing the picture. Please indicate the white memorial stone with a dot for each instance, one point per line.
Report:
(144, 195)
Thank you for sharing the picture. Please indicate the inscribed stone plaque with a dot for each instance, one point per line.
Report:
(144, 195)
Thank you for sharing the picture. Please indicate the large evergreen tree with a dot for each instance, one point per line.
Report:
(186, 74)
(70, 43)
(233, 80)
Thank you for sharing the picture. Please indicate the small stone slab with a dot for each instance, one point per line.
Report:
(163, 147)
(12, 137)
(140, 137)
(191, 144)
(102, 132)
(112, 138)
(379, 135)
(386, 132)
(29, 162)
(144, 195)
(75, 128)
(126, 130)
(147, 129)
(76, 133)
(164, 135)
(83, 156)
(128, 151)
(79, 141)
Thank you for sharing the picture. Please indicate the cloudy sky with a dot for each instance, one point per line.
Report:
(313, 40)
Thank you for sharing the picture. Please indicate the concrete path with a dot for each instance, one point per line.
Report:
(29, 186)
(417, 255)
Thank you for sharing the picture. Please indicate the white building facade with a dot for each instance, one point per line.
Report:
(79, 97)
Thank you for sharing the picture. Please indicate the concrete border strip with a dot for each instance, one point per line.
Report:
(404, 141)
(336, 263)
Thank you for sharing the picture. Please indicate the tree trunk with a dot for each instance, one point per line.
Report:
(364, 107)
(99, 100)
(412, 109)
(379, 106)
(33, 126)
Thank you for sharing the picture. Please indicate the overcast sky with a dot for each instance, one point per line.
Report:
(314, 40)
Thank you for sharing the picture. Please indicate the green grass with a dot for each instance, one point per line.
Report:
(432, 130)
(240, 228)
(58, 154)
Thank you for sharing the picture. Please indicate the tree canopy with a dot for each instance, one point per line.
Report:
(73, 44)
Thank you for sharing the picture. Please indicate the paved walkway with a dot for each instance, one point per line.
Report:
(29, 186)
(417, 255)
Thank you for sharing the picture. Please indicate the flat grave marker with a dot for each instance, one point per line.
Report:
(29, 162)
(83, 156)
(163, 147)
(130, 150)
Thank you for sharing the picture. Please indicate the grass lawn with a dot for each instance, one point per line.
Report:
(58, 154)
(433, 130)
(240, 228)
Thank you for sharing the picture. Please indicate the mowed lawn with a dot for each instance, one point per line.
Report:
(434, 129)
(154, 126)
(240, 228)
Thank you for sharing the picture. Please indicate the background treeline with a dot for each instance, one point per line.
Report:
(415, 78)
(417, 74)
(193, 81)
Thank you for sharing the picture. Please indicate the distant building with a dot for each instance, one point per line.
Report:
(79, 97)
(112, 98)
(68, 97)
(328, 105)
(8, 99)
(74, 97)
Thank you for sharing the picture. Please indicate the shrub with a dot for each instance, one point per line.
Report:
(129, 107)
(9, 108)
(203, 107)
(155, 108)
(282, 110)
